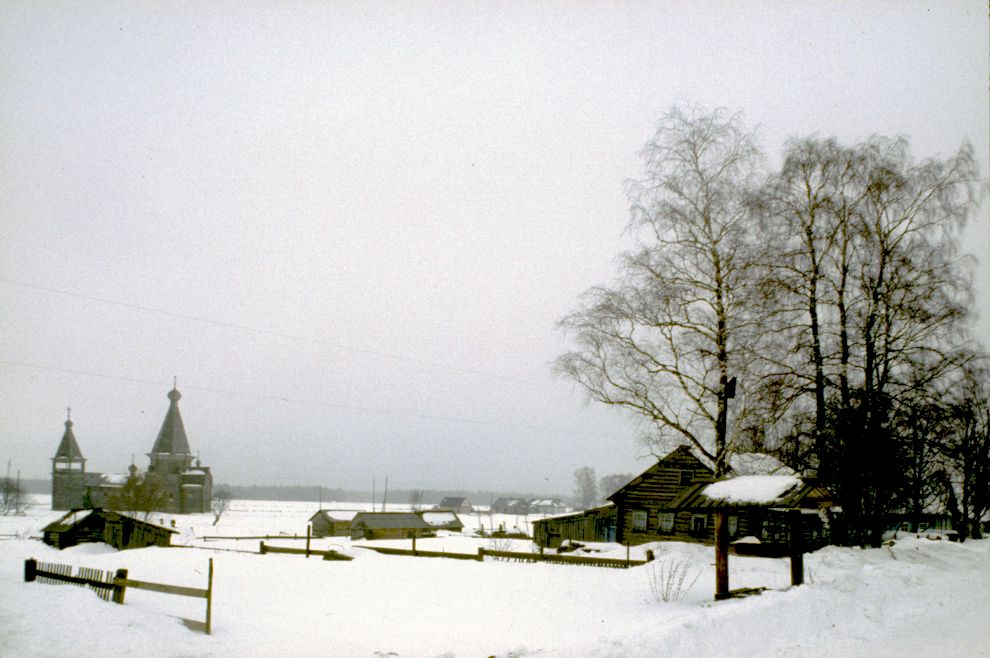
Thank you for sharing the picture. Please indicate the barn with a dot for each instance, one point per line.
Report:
(389, 525)
(82, 526)
(331, 523)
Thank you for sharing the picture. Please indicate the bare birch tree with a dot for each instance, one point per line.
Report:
(870, 298)
(667, 340)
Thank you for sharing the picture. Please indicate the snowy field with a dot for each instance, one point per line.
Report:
(916, 598)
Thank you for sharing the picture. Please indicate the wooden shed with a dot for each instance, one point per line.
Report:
(332, 523)
(596, 524)
(389, 525)
(82, 526)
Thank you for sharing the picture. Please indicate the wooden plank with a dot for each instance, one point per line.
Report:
(408, 553)
(239, 538)
(510, 555)
(159, 587)
(327, 555)
(58, 577)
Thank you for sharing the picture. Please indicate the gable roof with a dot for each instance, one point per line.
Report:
(77, 516)
(68, 448)
(388, 520)
(510, 501)
(443, 519)
(335, 514)
(681, 454)
(776, 491)
(172, 436)
(453, 501)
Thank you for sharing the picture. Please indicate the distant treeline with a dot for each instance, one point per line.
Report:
(35, 486)
(422, 497)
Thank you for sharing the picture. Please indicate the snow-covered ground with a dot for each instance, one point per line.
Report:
(917, 598)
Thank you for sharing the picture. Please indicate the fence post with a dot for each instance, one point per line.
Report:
(481, 554)
(261, 549)
(30, 570)
(721, 555)
(308, 532)
(797, 550)
(118, 590)
(209, 599)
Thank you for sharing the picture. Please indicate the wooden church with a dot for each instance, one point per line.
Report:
(189, 486)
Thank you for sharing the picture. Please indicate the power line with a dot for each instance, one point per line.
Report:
(267, 332)
(310, 403)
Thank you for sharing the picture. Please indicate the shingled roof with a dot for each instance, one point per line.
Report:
(389, 520)
(68, 449)
(172, 436)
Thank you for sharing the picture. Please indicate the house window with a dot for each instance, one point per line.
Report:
(733, 526)
(639, 520)
(665, 523)
(699, 525)
(774, 530)
(686, 476)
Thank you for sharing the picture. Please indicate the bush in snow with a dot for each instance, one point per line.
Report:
(672, 578)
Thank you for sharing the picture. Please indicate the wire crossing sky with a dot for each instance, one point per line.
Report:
(387, 208)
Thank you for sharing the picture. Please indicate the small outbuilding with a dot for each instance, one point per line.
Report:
(81, 526)
(760, 508)
(517, 506)
(389, 525)
(332, 523)
(592, 525)
(456, 504)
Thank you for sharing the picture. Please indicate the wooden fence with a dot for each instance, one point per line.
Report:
(50, 573)
(254, 537)
(113, 587)
(514, 556)
(327, 555)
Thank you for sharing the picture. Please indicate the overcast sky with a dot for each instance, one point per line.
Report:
(349, 228)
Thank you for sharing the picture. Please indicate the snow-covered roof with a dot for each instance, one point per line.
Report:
(752, 489)
(440, 518)
(336, 514)
(546, 502)
(118, 479)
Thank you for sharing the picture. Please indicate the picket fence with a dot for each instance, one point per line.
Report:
(112, 587)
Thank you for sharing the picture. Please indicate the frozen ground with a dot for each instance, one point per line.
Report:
(917, 598)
